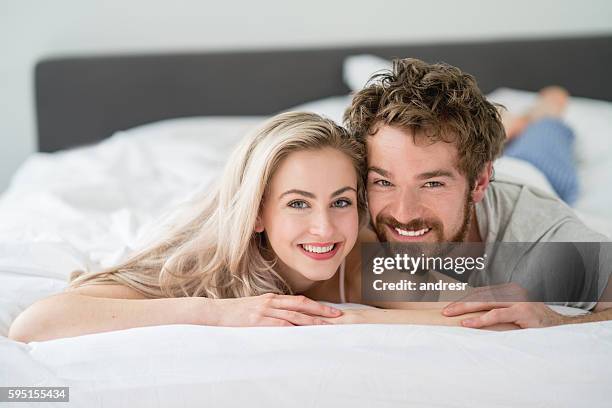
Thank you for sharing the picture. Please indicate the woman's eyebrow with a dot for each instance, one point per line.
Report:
(310, 195)
(342, 190)
(300, 192)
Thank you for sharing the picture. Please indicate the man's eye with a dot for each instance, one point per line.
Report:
(299, 205)
(382, 183)
(342, 203)
(433, 184)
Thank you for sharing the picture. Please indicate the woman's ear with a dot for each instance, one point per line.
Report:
(482, 182)
(259, 227)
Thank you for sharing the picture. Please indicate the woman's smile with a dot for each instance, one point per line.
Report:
(320, 251)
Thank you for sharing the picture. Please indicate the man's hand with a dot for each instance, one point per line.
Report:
(523, 314)
(504, 292)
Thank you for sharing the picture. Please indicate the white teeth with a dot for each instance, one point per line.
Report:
(412, 233)
(318, 249)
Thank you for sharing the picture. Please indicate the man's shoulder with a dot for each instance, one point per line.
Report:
(521, 213)
(509, 196)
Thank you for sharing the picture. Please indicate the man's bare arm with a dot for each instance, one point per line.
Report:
(601, 312)
(587, 318)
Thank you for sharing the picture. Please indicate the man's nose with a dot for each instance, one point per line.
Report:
(321, 225)
(406, 206)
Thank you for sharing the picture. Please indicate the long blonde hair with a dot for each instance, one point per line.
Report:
(214, 252)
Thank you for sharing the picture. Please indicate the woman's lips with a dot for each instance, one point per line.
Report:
(321, 256)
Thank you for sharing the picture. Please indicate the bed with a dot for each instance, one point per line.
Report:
(124, 139)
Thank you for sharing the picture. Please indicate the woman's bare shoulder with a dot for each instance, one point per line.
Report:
(115, 291)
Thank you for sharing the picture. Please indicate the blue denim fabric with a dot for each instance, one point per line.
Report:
(548, 145)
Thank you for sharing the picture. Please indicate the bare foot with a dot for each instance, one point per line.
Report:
(551, 102)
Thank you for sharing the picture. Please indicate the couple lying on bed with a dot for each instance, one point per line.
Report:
(279, 231)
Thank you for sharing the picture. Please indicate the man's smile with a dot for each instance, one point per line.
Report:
(408, 235)
(412, 233)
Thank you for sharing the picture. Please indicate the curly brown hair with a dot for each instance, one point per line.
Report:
(437, 101)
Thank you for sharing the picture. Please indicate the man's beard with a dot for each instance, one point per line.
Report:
(437, 228)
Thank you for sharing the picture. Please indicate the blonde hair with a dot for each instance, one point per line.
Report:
(214, 252)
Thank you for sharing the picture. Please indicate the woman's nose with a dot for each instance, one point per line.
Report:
(321, 225)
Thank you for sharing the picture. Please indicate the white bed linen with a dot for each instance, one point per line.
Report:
(341, 366)
(87, 208)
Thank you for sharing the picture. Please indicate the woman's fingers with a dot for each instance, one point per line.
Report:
(269, 310)
(295, 318)
(304, 305)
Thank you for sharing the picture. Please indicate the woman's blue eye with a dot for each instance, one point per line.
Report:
(433, 184)
(299, 205)
(382, 183)
(342, 203)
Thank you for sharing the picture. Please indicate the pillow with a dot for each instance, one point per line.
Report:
(332, 107)
(358, 69)
(523, 172)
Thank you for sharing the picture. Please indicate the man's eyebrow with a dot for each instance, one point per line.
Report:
(435, 173)
(378, 170)
(310, 195)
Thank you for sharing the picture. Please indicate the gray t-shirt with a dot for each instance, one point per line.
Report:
(565, 269)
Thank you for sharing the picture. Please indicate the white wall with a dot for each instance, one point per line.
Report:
(30, 30)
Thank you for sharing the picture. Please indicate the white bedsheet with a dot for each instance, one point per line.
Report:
(87, 208)
(340, 366)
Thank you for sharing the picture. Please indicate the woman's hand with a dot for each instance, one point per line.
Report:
(265, 310)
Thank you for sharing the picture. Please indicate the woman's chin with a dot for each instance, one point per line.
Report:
(321, 273)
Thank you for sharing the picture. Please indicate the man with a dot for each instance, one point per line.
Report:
(431, 137)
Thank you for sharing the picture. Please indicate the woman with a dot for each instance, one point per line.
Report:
(279, 222)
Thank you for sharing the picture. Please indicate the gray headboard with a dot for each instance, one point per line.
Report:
(81, 100)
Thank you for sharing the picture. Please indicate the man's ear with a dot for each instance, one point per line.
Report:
(482, 182)
(259, 227)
